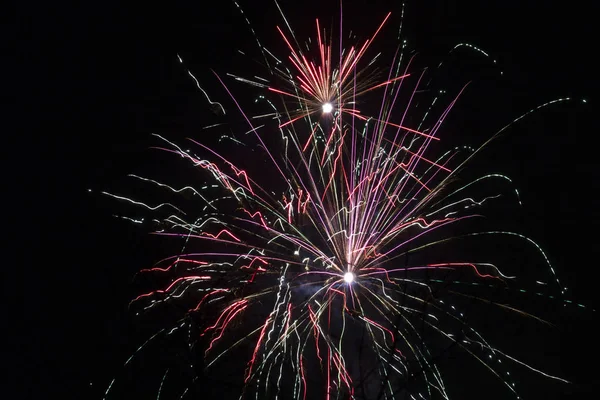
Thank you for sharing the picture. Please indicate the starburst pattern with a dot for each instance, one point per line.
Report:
(317, 246)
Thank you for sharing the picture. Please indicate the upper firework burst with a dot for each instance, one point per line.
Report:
(319, 87)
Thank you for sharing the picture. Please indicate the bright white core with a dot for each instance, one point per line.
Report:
(327, 108)
(348, 277)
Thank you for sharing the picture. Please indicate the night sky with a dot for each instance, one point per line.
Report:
(94, 80)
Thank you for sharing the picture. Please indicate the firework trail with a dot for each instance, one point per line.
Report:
(328, 243)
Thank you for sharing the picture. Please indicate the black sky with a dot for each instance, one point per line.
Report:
(93, 80)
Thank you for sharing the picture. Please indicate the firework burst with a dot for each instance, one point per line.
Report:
(317, 246)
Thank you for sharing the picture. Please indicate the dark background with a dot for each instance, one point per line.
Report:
(92, 81)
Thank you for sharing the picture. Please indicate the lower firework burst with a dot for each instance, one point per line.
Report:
(326, 272)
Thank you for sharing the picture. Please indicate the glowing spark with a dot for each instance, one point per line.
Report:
(348, 277)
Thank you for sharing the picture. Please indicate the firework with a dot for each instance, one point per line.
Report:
(338, 241)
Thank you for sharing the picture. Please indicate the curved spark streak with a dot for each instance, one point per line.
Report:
(199, 87)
